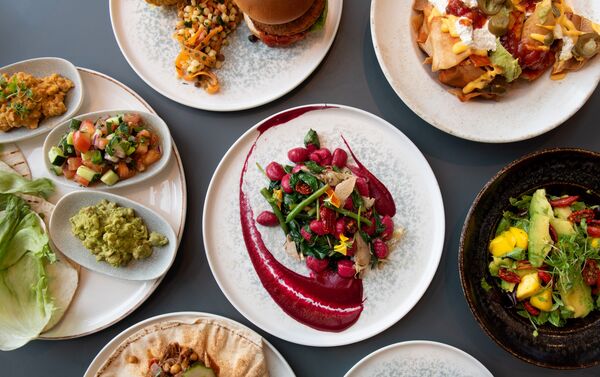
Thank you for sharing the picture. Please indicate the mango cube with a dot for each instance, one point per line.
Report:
(521, 238)
(530, 285)
(542, 300)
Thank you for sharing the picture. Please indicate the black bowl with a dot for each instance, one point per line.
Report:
(577, 345)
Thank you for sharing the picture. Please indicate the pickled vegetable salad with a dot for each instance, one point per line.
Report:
(109, 149)
(545, 257)
(326, 211)
(478, 47)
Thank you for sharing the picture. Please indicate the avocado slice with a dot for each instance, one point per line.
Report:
(540, 242)
(562, 212)
(578, 298)
(199, 370)
(540, 205)
(562, 227)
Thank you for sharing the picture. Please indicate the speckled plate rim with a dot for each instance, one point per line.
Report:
(411, 343)
(463, 280)
(52, 122)
(178, 232)
(225, 108)
(414, 106)
(431, 269)
(117, 340)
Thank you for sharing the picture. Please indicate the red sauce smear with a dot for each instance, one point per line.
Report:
(459, 9)
(324, 302)
(384, 202)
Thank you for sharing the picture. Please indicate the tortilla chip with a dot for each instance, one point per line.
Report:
(221, 345)
(12, 156)
(562, 67)
(460, 75)
(441, 47)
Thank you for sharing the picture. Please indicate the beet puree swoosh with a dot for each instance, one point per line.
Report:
(384, 202)
(322, 302)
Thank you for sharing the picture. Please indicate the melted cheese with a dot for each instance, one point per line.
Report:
(482, 81)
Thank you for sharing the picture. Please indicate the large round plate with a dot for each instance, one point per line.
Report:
(277, 365)
(391, 292)
(101, 300)
(527, 110)
(253, 74)
(419, 358)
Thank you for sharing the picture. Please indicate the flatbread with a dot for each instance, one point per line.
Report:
(63, 275)
(228, 349)
(12, 157)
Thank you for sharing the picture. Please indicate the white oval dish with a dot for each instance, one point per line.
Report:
(419, 358)
(527, 110)
(150, 268)
(154, 122)
(253, 74)
(276, 363)
(40, 67)
(390, 292)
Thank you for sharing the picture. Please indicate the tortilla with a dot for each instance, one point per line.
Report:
(441, 47)
(229, 350)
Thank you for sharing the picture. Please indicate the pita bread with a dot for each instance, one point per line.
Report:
(12, 157)
(229, 350)
(63, 275)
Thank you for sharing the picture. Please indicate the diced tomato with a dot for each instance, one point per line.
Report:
(82, 141)
(69, 174)
(87, 126)
(101, 143)
(151, 157)
(73, 163)
(123, 171)
(81, 181)
(94, 167)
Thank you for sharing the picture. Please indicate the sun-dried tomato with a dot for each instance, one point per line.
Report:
(303, 188)
(553, 233)
(564, 202)
(544, 276)
(593, 230)
(577, 216)
(508, 276)
(530, 309)
(590, 272)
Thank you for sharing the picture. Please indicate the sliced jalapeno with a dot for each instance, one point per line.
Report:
(587, 46)
(498, 24)
(491, 7)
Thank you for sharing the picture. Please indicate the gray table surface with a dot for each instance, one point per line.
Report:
(80, 31)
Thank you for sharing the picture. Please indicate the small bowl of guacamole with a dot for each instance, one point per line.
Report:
(113, 235)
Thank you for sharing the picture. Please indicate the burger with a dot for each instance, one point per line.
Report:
(280, 23)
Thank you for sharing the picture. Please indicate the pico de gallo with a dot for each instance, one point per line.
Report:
(108, 149)
(546, 257)
(329, 211)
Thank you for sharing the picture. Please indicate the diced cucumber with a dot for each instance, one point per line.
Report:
(70, 138)
(74, 125)
(131, 150)
(95, 156)
(110, 178)
(57, 170)
(199, 370)
(56, 156)
(113, 120)
(87, 173)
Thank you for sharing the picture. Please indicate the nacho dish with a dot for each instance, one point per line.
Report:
(26, 100)
(479, 47)
(205, 348)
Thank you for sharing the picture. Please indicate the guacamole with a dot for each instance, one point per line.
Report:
(114, 234)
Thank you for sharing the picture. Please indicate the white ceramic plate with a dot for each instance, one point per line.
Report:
(41, 67)
(419, 358)
(253, 74)
(391, 292)
(150, 268)
(277, 365)
(152, 121)
(101, 300)
(526, 111)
